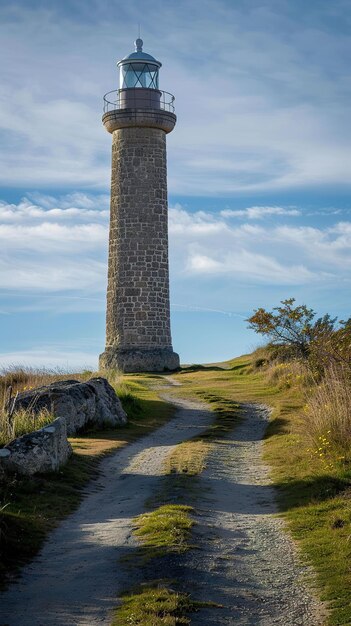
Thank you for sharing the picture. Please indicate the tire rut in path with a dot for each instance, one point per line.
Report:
(246, 561)
(76, 578)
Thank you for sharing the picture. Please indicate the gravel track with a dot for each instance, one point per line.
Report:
(246, 562)
(76, 578)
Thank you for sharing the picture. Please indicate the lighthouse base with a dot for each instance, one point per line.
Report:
(139, 359)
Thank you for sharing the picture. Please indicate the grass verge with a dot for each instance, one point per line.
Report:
(314, 499)
(31, 507)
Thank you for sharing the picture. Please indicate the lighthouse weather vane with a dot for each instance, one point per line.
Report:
(139, 116)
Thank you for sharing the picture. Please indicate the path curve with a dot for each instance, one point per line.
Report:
(76, 578)
(246, 560)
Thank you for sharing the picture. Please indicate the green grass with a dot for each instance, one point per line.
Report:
(163, 532)
(154, 606)
(166, 529)
(189, 458)
(316, 503)
(23, 422)
(31, 507)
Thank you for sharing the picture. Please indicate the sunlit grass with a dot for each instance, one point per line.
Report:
(315, 500)
(31, 506)
(167, 528)
(154, 606)
(22, 422)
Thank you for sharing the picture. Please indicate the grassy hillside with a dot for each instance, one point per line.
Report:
(311, 471)
(314, 484)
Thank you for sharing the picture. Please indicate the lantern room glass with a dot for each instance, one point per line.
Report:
(139, 75)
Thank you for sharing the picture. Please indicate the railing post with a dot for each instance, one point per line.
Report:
(166, 101)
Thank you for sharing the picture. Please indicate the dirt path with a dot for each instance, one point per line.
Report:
(76, 578)
(246, 562)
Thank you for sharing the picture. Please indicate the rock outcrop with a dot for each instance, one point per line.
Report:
(44, 450)
(93, 403)
(75, 406)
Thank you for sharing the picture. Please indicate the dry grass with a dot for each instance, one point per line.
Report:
(22, 422)
(188, 458)
(290, 374)
(22, 378)
(19, 379)
(327, 415)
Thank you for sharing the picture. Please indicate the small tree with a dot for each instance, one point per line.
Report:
(291, 326)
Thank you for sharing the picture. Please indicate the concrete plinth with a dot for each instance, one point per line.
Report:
(139, 359)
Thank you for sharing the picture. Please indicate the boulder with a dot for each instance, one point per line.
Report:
(93, 403)
(44, 450)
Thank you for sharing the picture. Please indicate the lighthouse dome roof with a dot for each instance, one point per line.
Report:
(139, 55)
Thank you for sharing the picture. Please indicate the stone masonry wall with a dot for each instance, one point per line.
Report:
(138, 313)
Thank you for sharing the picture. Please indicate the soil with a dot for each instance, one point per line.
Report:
(246, 562)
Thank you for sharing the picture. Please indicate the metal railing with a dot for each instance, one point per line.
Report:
(138, 99)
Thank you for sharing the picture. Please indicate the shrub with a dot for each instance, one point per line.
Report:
(291, 327)
(332, 348)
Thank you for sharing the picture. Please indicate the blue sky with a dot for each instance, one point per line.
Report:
(258, 167)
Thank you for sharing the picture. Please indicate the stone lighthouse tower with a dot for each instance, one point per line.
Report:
(139, 116)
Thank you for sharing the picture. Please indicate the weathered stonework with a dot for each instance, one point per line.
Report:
(76, 406)
(138, 335)
(93, 404)
(44, 450)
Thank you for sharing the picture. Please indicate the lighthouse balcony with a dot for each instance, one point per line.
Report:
(138, 98)
(139, 107)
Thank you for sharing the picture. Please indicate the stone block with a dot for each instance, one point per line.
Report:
(44, 450)
(93, 403)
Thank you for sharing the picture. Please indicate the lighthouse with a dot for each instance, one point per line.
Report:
(139, 116)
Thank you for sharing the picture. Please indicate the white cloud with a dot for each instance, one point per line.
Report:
(96, 203)
(50, 237)
(50, 357)
(211, 244)
(251, 266)
(78, 274)
(62, 249)
(262, 95)
(259, 212)
(45, 249)
(71, 207)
